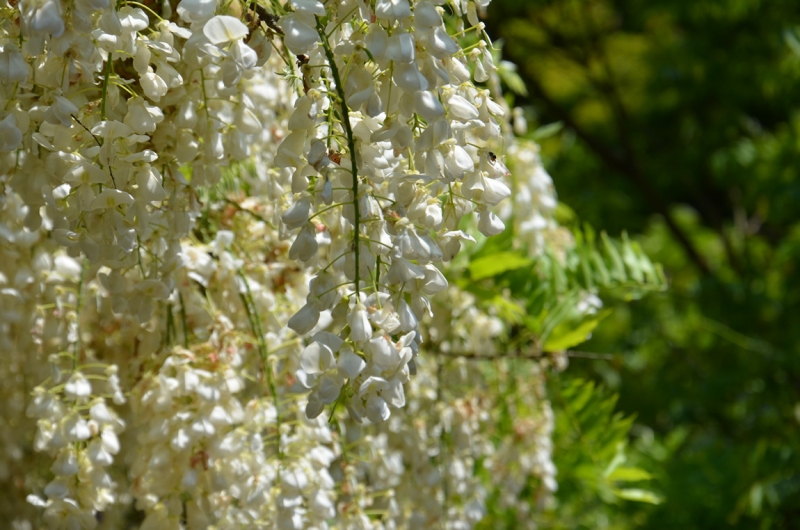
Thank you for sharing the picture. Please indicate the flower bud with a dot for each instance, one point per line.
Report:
(10, 135)
(297, 214)
(13, 68)
(304, 320)
(489, 224)
(377, 409)
(305, 244)
(78, 387)
(358, 319)
(427, 105)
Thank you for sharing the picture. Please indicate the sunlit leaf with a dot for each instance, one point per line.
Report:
(494, 264)
(546, 131)
(567, 334)
(638, 495)
(629, 474)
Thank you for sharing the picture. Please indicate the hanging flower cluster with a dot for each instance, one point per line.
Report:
(388, 151)
(222, 224)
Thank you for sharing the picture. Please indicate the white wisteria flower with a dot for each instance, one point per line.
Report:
(225, 230)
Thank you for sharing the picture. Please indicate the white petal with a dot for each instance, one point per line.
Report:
(110, 198)
(13, 67)
(462, 109)
(313, 7)
(47, 18)
(316, 358)
(408, 77)
(377, 409)
(350, 364)
(314, 407)
(78, 386)
(196, 10)
(223, 28)
(434, 281)
(329, 388)
(304, 320)
(384, 355)
(181, 440)
(489, 224)
(426, 15)
(401, 48)
(428, 105)
(442, 45)
(360, 328)
(10, 135)
(299, 36)
(462, 159)
(297, 214)
(305, 245)
(110, 441)
(495, 191)
(328, 339)
(376, 41)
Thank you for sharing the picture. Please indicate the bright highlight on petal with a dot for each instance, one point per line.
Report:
(223, 28)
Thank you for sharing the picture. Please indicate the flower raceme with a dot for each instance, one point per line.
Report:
(232, 217)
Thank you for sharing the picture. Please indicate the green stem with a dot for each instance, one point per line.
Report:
(78, 304)
(169, 335)
(105, 88)
(378, 271)
(184, 324)
(331, 207)
(249, 212)
(337, 258)
(255, 326)
(350, 144)
(137, 4)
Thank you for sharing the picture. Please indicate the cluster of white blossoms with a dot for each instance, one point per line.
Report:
(224, 228)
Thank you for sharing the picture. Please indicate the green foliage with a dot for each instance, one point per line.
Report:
(546, 131)
(681, 124)
(496, 264)
(544, 298)
(548, 290)
(596, 470)
(598, 436)
(569, 333)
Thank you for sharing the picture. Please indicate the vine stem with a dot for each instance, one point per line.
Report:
(255, 325)
(106, 79)
(351, 145)
(78, 307)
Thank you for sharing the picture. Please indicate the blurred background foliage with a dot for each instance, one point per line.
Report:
(678, 121)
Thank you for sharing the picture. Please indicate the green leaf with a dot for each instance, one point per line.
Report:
(507, 310)
(617, 461)
(564, 215)
(586, 268)
(791, 41)
(617, 266)
(558, 314)
(638, 495)
(567, 334)
(632, 260)
(559, 277)
(603, 276)
(495, 264)
(650, 272)
(546, 131)
(629, 474)
(508, 73)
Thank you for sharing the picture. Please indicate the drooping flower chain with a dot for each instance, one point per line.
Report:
(389, 149)
(117, 118)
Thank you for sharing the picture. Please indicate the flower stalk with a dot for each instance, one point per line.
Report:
(351, 145)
